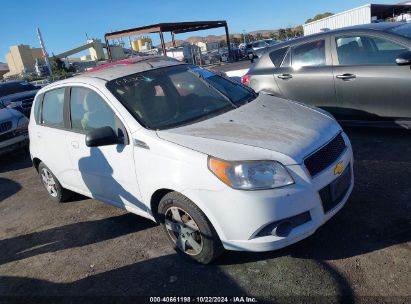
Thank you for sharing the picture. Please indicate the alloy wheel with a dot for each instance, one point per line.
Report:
(183, 231)
(49, 182)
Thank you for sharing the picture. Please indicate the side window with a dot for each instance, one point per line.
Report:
(367, 50)
(53, 108)
(89, 111)
(277, 56)
(37, 107)
(309, 54)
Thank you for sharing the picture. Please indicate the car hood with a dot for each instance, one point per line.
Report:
(19, 96)
(8, 114)
(268, 123)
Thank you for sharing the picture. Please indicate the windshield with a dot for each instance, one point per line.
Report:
(15, 87)
(402, 30)
(178, 95)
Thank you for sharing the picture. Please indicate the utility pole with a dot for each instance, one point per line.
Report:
(43, 48)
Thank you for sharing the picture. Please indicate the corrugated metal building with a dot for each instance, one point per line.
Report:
(361, 15)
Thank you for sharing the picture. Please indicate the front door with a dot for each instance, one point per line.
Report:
(107, 172)
(305, 74)
(368, 83)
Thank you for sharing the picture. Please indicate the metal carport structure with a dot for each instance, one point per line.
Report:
(173, 28)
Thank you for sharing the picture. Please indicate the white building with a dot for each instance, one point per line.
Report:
(360, 15)
(208, 46)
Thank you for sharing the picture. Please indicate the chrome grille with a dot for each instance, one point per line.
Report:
(5, 126)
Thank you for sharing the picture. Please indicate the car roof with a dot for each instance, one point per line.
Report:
(127, 61)
(123, 68)
(382, 26)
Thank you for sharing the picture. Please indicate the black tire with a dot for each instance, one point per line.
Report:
(211, 245)
(61, 194)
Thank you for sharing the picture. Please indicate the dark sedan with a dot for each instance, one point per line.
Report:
(18, 95)
(359, 74)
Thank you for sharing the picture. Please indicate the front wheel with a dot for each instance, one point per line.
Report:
(188, 229)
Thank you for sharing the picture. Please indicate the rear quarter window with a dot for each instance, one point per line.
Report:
(37, 106)
(277, 56)
(53, 108)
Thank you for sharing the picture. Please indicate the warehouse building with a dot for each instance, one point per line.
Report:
(361, 15)
(22, 59)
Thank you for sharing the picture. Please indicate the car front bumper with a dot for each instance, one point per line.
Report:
(240, 217)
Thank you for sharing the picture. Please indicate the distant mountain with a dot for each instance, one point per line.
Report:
(215, 38)
(4, 66)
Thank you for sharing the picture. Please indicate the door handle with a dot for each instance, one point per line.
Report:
(74, 144)
(285, 76)
(346, 76)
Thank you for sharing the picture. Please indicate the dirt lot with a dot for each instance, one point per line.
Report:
(87, 248)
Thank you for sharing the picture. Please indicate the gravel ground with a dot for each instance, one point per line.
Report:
(87, 248)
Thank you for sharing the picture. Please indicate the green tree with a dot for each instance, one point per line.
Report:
(298, 31)
(259, 36)
(249, 38)
(282, 34)
(289, 32)
(235, 40)
(57, 66)
(319, 16)
(223, 43)
(273, 35)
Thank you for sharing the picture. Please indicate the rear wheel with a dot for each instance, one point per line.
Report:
(54, 189)
(188, 229)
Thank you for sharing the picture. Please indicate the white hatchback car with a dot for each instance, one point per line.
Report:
(216, 164)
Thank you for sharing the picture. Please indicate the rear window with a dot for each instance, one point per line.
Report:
(402, 30)
(277, 56)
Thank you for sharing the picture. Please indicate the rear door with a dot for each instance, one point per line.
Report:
(369, 84)
(306, 75)
(48, 135)
(105, 172)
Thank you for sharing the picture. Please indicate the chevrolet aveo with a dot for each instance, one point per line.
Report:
(217, 165)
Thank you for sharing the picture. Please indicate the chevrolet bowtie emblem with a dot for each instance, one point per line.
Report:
(339, 168)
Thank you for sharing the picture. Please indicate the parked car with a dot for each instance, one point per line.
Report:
(360, 74)
(18, 95)
(253, 47)
(216, 164)
(13, 130)
(41, 83)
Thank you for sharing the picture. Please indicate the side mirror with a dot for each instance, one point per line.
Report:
(404, 58)
(104, 136)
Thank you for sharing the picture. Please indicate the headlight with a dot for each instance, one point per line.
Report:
(250, 175)
(22, 123)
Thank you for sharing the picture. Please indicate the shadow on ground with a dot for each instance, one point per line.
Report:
(8, 187)
(15, 160)
(70, 236)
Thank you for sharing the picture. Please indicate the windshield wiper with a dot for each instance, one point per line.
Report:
(213, 88)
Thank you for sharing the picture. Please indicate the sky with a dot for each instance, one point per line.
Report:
(64, 24)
